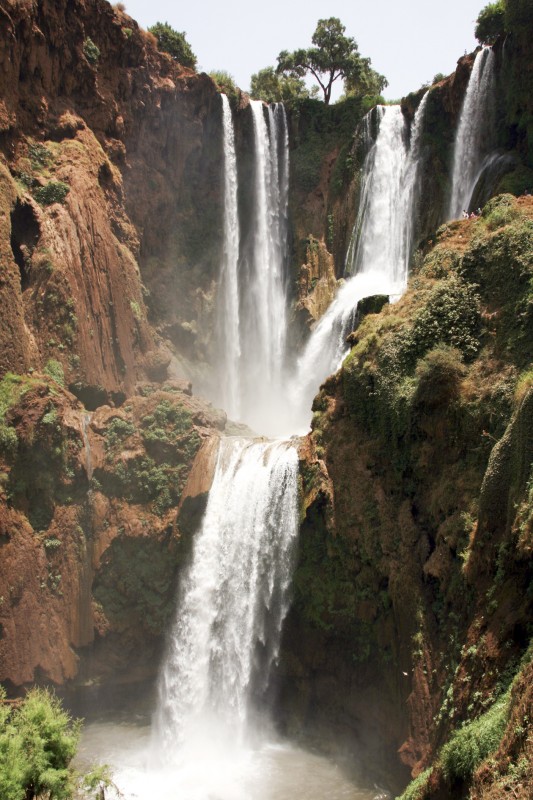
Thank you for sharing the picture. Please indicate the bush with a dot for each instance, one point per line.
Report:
(91, 51)
(38, 741)
(470, 745)
(491, 22)
(52, 192)
(417, 787)
(439, 376)
(174, 43)
(450, 316)
(54, 369)
(225, 83)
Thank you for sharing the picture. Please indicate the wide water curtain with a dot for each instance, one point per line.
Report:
(475, 133)
(233, 599)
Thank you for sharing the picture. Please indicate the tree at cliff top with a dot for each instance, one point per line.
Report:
(174, 43)
(333, 56)
(272, 87)
(491, 22)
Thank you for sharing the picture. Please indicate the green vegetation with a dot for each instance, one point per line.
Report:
(54, 369)
(38, 741)
(117, 432)
(491, 22)
(40, 156)
(470, 745)
(52, 192)
(270, 86)
(333, 56)
(158, 477)
(91, 51)
(417, 787)
(225, 83)
(174, 43)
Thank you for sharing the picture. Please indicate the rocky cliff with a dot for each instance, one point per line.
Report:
(413, 592)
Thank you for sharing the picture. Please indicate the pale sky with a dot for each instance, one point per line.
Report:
(408, 41)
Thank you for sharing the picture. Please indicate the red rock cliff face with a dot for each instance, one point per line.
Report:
(125, 129)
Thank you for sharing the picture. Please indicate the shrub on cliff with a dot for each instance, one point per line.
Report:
(470, 745)
(174, 43)
(38, 740)
(491, 22)
(52, 192)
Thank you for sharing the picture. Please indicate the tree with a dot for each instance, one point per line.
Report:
(174, 43)
(490, 22)
(272, 87)
(333, 56)
(38, 741)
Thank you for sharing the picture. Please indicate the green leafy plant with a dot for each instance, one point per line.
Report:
(91, 51)
(52, 192)
(174, 43)
(470, 745)
(38, 741)
(490, 22)
(333, 56)
(54, 369)
(270, 86)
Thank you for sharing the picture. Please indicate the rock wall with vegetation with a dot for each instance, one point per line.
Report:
(411, 624)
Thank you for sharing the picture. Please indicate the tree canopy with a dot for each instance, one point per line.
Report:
(490, 22)
(333, 56)
(174, 43)
(270, 86)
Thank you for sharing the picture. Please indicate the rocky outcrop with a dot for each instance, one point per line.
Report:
(107, 147)
(94, 523)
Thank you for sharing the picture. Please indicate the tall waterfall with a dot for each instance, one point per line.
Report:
(381, 245)
(475, 133)
(252, 299)
(233, 599)
(265, 300)
(228, 307)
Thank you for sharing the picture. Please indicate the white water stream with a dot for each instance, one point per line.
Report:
(379, 252)
(475, 134)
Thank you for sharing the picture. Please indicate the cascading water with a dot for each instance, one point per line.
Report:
(234, 598)
(208, 738)
(265, 298)
(252, 301)
(228, 306)
(380, 249)
(475, 133)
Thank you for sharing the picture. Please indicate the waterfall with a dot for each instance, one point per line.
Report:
(475, 132)
(381, 240)
(228, 306)
(233, 599)
(265, 300)
(380, 248)
(252, 293)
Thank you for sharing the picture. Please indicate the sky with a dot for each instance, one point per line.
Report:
(408, 41)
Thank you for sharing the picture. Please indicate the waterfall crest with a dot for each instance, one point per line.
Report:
(234, 597)
(475, 133)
